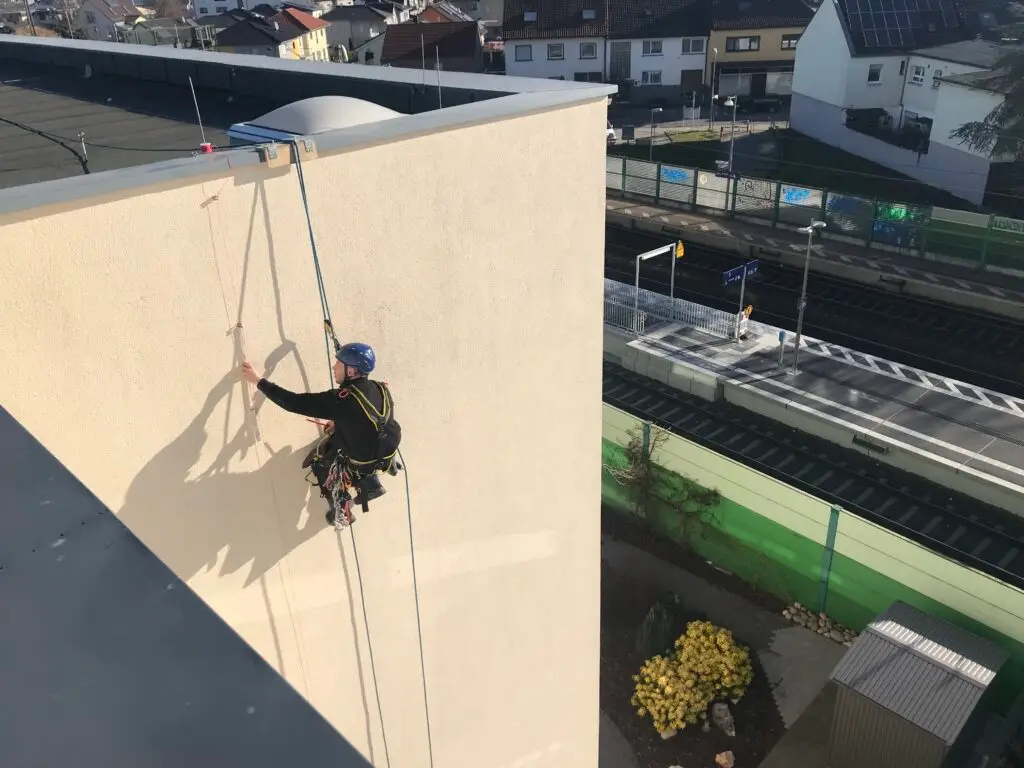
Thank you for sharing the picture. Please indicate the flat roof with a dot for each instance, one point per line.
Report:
(125, 122)
(133, 102)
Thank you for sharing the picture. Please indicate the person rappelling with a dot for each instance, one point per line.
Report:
(361, 436)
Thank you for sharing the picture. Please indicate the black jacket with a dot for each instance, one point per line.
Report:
(354, 434)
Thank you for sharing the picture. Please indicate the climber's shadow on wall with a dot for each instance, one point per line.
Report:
(208, 517)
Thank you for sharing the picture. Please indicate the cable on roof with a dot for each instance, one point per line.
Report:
(328, 338)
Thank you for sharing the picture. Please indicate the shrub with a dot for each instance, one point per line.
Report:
(676, 690)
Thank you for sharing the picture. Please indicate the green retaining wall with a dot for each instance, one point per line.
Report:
(788, 565)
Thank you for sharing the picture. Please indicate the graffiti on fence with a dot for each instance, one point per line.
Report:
(849, 215)
(897, 225)
(796, 195)
(1016, 226)
(754, 195)
(674, 175)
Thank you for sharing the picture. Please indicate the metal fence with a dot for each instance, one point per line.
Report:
(626, 309)
(981, 240)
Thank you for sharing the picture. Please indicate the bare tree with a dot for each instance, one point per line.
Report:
(172, 9)
(66, 13)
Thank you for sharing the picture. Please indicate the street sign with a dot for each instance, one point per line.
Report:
(680, 250)
(740, 273)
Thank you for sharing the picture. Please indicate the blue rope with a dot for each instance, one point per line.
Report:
(355, 549)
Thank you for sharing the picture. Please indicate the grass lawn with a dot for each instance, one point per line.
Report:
(804, 162)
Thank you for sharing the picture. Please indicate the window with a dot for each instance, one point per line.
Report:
(935, 78)
(559, 77)
(874, 74)
(652, 47)
(587, 77)
(90, 17)
(903, 68)
(917, 75)
(556, 51)
(693, 45)
(221, 9)
(203, 10)
(789, 42)
(650, 78)
(524, 53)
(743, 43)
(529, 16)
(589, 14)
(588, 50)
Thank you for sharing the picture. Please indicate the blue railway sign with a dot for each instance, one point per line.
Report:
(740, 273)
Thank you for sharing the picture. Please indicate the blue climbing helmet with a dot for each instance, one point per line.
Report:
(359, 356)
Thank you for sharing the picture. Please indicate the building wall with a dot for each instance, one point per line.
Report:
(821, 62)
(886, 93)
(959, 172)
(956, 105)
(541, 66)
(122, 351)
(373, 46)
(770, 47)
(670, 62)
(921, 98)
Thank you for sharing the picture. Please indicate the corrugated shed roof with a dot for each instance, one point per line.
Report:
(926, 670)
(444, 39)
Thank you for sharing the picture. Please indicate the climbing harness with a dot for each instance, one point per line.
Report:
(397, 462)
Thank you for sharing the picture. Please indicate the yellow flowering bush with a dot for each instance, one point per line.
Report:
(706, 665)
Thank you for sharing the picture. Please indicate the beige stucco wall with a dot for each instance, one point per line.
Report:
(770, 50)
(484, 303)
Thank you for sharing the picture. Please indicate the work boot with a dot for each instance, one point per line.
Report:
(368, 489)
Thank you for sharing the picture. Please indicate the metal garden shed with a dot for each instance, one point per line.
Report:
(912, 692)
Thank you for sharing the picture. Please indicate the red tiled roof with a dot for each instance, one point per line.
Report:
(305, 21)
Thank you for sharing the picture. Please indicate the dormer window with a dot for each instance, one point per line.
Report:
(530, 16)
(589, 14)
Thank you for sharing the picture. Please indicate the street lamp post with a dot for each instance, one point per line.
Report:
(654, 111)
(676, 249)
(731, 102)
(711, 108)
(809, 231)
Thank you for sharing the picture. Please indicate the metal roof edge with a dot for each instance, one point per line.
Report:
(80, 189)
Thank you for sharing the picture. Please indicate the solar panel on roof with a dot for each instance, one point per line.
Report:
(899, 23)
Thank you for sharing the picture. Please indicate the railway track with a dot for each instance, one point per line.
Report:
(966, 530)
(971, 346)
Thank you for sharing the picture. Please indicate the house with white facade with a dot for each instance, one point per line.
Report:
(874, 83)
(654, 51)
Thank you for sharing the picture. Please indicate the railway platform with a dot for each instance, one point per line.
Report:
(961, 436)
(993, 292)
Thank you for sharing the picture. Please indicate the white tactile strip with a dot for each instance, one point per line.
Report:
(932, 381)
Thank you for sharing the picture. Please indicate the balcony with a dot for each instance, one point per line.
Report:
(913, 135)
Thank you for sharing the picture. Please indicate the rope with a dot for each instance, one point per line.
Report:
(355, 549)
(330, 337)
(416, 599)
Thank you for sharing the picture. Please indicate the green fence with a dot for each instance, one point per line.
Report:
(979, 240)
(800, 548)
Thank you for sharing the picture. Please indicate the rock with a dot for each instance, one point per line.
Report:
(848, 643)
(668, 734)
(787, 614)
(837, 636)
(797, 606)
(725, 759)
(723, 718)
